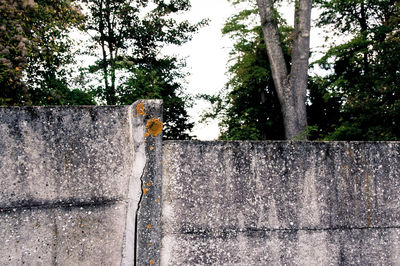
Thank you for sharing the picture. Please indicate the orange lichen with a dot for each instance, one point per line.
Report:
(151, 148)
(148, 226)
(134, 115)
(149, 244)
(146, 134)
(148, 184)
(140, 109)
(145, 190)
(157, 200)
(152, 262)
(154, 127)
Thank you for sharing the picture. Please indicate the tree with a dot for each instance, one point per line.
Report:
(249, 108)
(49, 68)
(129, 34)
(14, 49)
(366, 69)
(160, 80)
(35, 51)
(290, 79)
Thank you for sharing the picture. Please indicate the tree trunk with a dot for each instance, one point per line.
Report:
(290, 87)
(104, 53)
(111, 42)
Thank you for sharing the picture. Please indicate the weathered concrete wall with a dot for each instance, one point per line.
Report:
(281, 203)
(82, 186)
(71, 183)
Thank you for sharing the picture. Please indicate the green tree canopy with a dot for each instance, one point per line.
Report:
(248, 107)
(127, 40)
(34, 49)
(358, 100)
(365, 69)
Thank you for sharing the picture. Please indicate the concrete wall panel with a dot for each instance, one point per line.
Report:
(289, 202)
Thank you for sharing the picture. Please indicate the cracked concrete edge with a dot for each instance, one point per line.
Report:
(136, 126)
(143, 229)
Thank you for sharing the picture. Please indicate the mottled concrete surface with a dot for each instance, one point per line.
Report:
(82, 186)
(149, 213)
(64, 154)
(71, 182)
(281, 203)
(90, 235)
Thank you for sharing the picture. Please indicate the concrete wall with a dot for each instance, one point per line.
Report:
(71, 183)
(281, 203)
(94, 186)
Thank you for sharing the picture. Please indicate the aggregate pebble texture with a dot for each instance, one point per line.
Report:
(70, 183)
(281, 203)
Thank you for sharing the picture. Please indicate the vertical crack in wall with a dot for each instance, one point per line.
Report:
(147, 139)
(55, 232)
(139, 165)
(142, 183)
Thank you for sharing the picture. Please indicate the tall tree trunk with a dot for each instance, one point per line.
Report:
(104, 54)
(111, 42)
(290, 87)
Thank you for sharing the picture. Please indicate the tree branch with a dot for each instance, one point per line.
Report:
(272, 40)
(301, 49)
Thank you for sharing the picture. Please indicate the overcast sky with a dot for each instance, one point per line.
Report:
(206, 57)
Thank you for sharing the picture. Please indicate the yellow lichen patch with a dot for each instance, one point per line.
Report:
(146, 134)
(151, 148)
(148, 184)
(154, 127)
(148, 226)
(145, 190)
(152, 262)
(140, 109)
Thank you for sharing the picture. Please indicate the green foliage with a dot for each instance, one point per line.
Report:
(35, 50)
(127, 37)
(323, 109)
(160, 80)
(366, 69)
(359, 100)
(249, 108)
(14, 48)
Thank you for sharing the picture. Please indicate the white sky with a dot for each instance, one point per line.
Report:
(206, 57)
(208, 53)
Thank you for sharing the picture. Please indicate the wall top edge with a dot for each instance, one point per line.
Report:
(209, 142)
(150, 101)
